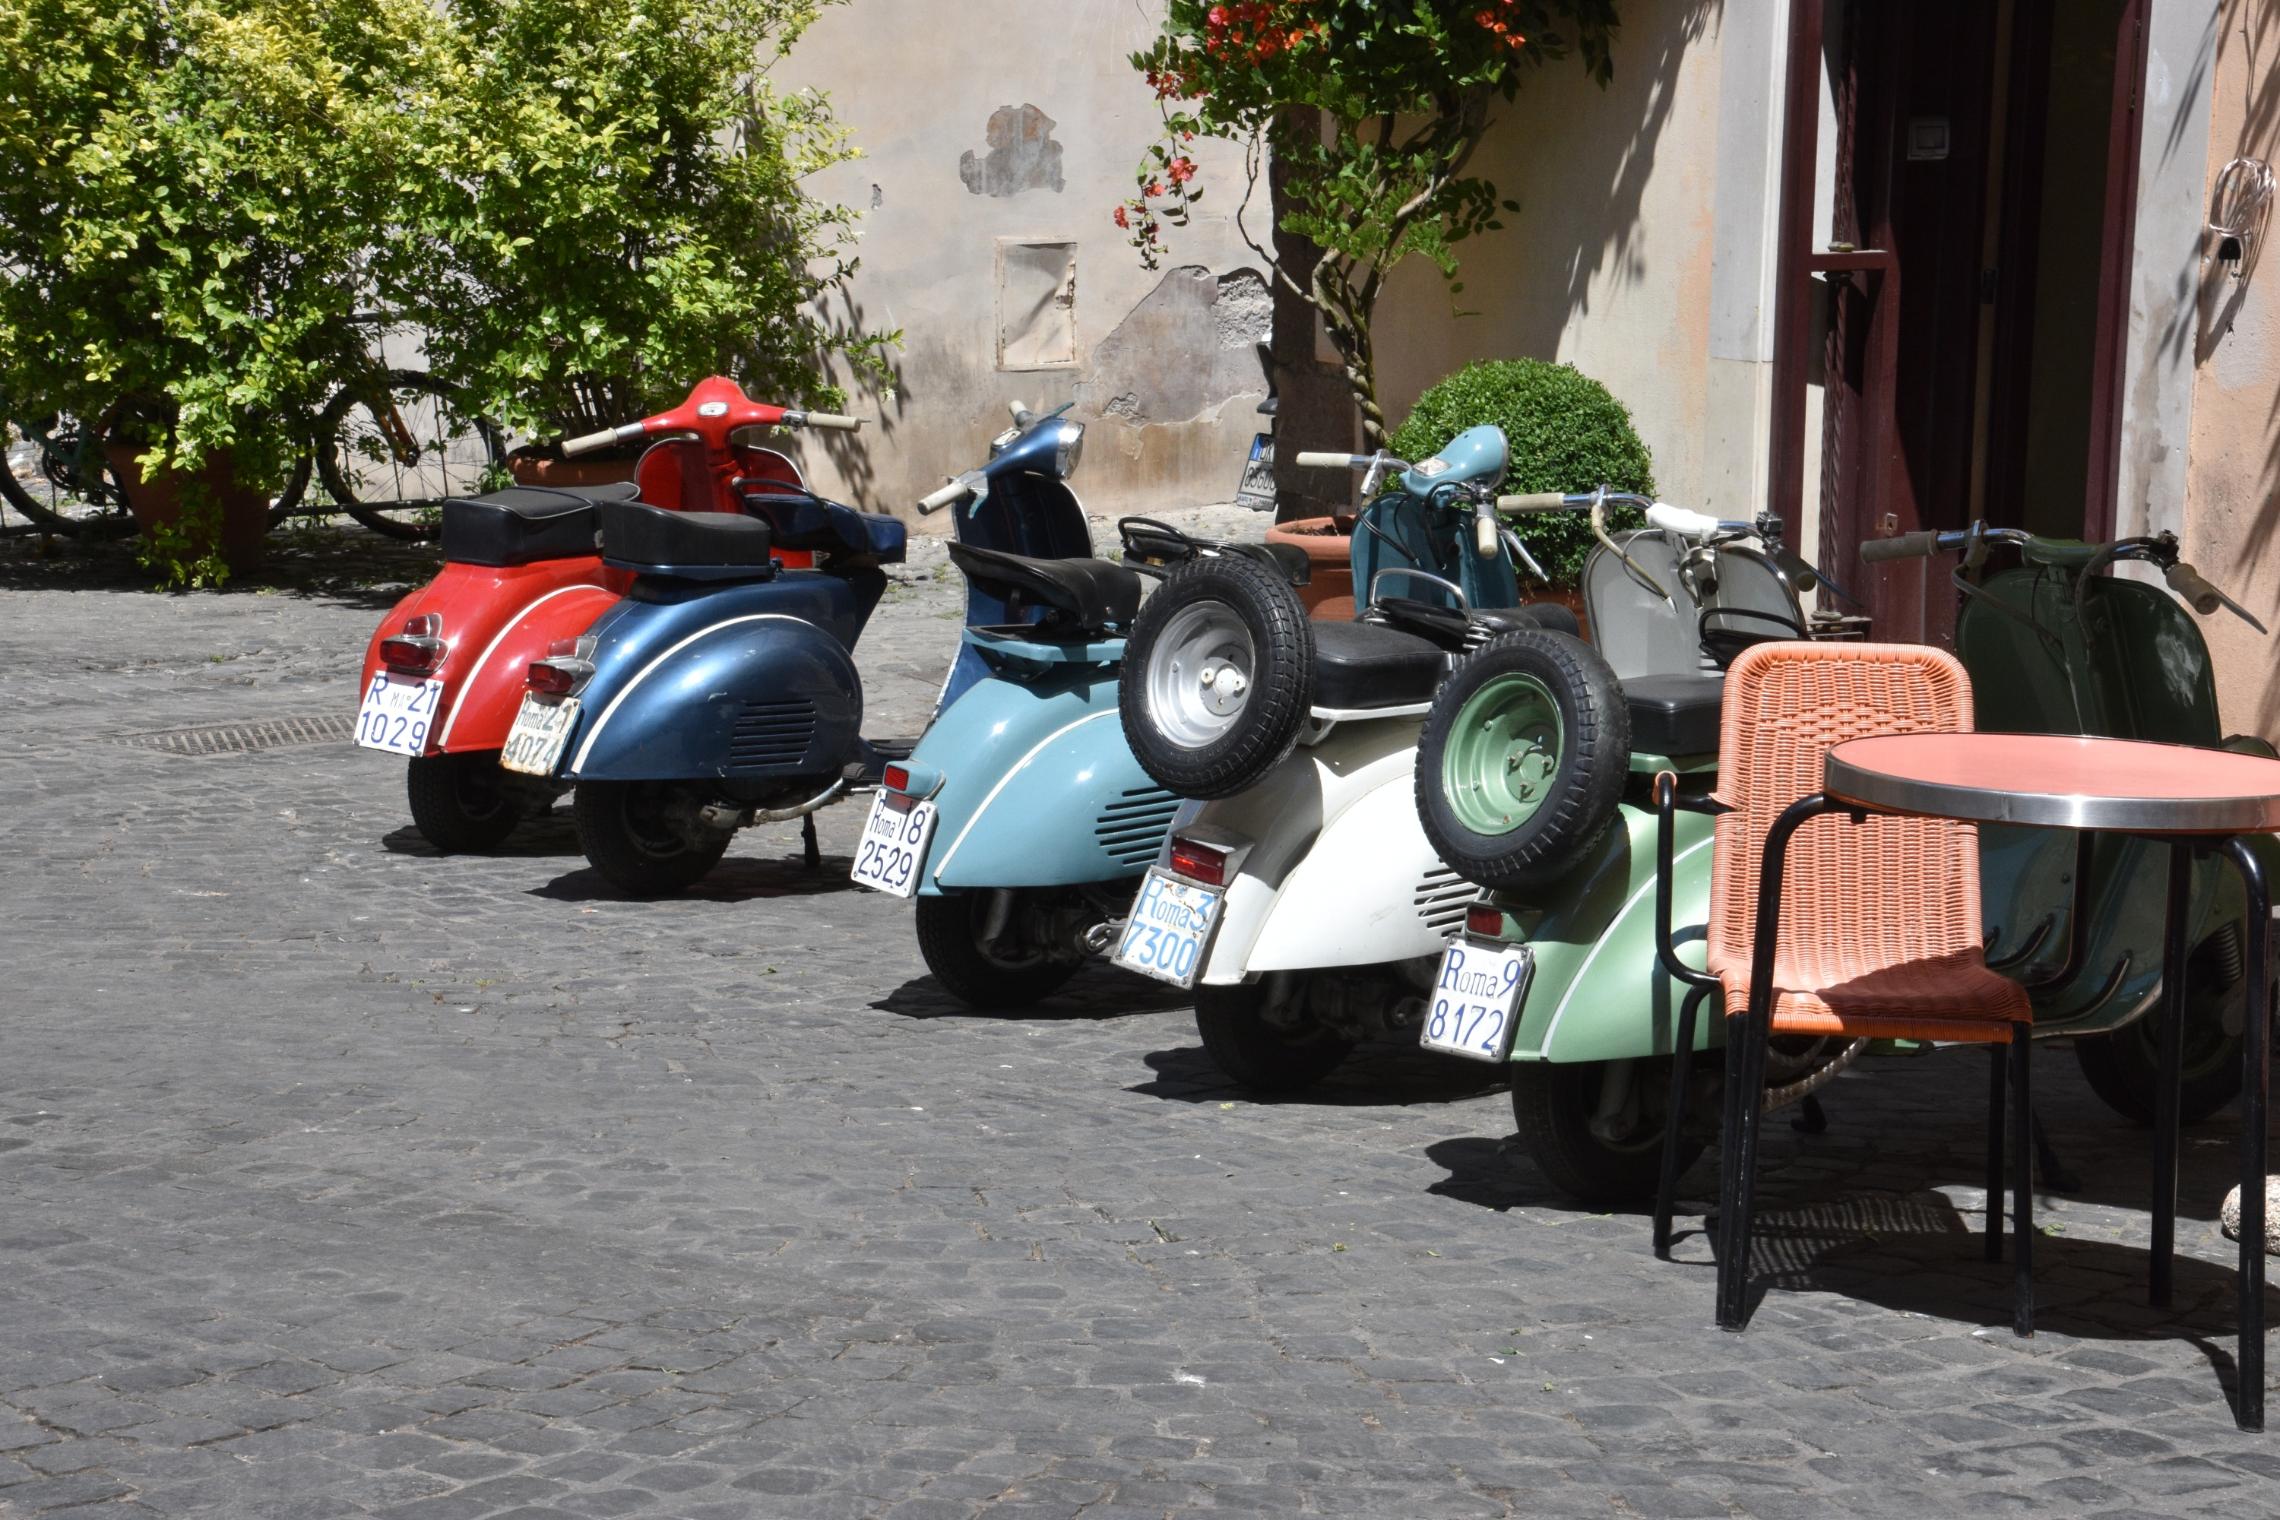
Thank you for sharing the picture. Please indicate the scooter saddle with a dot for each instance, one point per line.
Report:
(804, 521)
(1364, 665)
(1675, 714)
(1087, 594)
(524, 524)
(692, 545)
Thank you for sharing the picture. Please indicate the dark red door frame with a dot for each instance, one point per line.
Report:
(1793, 248)
(2118, 240)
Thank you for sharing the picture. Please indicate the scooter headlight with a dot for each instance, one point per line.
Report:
(1069, 449)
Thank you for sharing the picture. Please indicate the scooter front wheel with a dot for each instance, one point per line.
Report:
(462, 802)
(950, 930)
(1598, 1152)
(644, 836)
(1259, 1055)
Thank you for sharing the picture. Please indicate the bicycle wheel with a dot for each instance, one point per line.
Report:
(56, 476)
(391, 450)
(288, 498)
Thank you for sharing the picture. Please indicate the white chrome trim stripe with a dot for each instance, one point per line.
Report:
(1598, 945)
(1019, 766)
(595, 732)
(488, 649)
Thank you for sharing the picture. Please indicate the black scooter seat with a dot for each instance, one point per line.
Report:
(525, 524)
(802, 520)
(1675, 714)
(1358, 666)
(1092, 595)
(696, 545)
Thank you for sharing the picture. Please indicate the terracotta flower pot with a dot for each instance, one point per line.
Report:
(1328, 594)
(157, 500)
(534, 467)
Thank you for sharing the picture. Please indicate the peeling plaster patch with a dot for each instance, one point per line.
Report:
(1022, 156)
(1187, 349)
(1037, 305)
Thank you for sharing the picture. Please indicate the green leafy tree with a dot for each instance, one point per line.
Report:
(605, 203)
(1371, 112)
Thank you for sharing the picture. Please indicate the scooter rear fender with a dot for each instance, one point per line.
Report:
(496, 620)
(1339, 872)
(1039, 788)
(747, 682)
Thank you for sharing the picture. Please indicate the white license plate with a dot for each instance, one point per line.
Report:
(1477, 995)
(541, 732)
(891, 856)
(1169, 928)
(397, 714)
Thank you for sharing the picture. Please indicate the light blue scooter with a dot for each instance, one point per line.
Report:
(1021, 822)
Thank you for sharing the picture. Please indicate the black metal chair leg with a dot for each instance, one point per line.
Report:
(2165, 1099)
(2255, 1099)
(1812, 1118)
(2021, 1057)
(1733, 1312)
(1997, 1177)
(1729, 1148)
(808, 845)
(1674, 1114)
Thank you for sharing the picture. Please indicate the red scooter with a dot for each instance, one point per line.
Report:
(445, 671)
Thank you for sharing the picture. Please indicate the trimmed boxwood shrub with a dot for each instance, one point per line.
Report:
(1567, 432)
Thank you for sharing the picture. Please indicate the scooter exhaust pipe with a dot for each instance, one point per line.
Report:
(1098, 937)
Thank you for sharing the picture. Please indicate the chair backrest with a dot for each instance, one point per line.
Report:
(1854, 899)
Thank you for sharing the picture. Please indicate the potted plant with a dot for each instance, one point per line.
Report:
(189, 191)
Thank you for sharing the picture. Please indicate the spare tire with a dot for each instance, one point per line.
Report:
(1217, 676)
(1522, 762)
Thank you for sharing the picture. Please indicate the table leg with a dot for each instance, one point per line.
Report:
(2255, 1095)
(2171, 1035)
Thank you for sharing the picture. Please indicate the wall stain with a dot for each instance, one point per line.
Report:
(1022, 155)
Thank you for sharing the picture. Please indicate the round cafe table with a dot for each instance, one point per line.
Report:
(2198, 800)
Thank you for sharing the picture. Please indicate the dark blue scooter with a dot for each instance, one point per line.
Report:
(721, 691)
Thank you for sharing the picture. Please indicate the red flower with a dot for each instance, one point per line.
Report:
(1181, 170)
(1121, 219)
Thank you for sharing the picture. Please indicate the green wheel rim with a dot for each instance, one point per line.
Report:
(1503, 755)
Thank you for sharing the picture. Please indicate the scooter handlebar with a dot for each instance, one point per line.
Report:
(1533, 501)
(1485, 537)
(607, 437)
(2188, 583)
(935, 501)
(1317, 459)
(1901, 546)
(1684, 521)
(830, 420)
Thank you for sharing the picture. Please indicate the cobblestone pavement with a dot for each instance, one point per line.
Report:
(342, 1179)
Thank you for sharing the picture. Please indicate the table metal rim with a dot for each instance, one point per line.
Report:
(2059, 810)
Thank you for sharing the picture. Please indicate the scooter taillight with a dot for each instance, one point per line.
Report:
(896, 778)
(1485, 920)
(559, 675)
(1199, 862)
(418, 650)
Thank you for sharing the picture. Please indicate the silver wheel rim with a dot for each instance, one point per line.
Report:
(1199, 678)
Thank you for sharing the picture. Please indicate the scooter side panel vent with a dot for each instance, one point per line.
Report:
(1131, 829)
(772, 734)
(1441, 898)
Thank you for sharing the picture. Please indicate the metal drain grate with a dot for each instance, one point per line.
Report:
(247, 738)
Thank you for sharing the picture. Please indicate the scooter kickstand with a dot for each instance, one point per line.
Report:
(2055, 1176)
(808, 843)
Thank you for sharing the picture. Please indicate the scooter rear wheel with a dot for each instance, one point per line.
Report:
(462, 803)
(1553, 1103)
(1257, 1054)
(632, 833)
(950, 941)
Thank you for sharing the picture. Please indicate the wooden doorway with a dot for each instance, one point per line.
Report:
(1962, 308)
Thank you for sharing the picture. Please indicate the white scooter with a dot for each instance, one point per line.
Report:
(1305, 903)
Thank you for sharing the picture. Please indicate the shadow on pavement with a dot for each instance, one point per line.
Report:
(552, 837)
(335, 562)
(734, 880)
(1097, 992)
(1387, 1073)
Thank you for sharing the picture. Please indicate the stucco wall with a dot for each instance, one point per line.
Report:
(961, 185)
(2232, 335)
(1610, 262)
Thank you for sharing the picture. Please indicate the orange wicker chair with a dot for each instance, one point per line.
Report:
(1819, 928)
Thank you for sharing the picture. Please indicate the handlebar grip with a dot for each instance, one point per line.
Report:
(1484, 530)
(587, 443)
(935, 501)
(1683, 521)
(1318, 459)
(1900, 546)
(2188, 583)
(831, 420)
(1534, 501)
